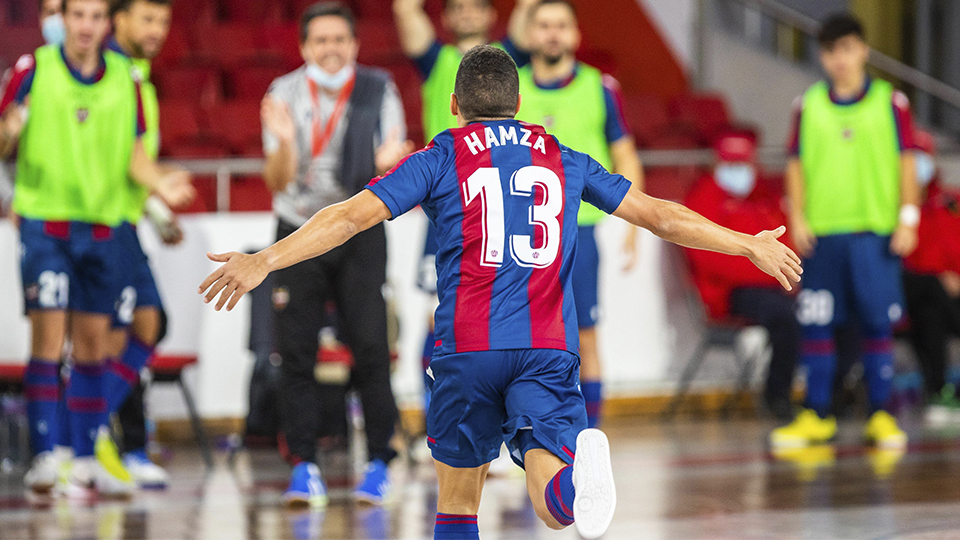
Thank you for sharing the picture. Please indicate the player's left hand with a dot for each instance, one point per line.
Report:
(392, 151)
(903, 241)
(239, 275)
(776, 259)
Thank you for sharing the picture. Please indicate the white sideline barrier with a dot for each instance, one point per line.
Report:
(639, 334)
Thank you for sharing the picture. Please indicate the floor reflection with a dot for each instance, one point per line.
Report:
(685, 480)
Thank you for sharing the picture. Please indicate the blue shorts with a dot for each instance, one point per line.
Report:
(71, 265)
(526, 398)
(851, 277)
(586, 278)
(427, 273)
(141, 289)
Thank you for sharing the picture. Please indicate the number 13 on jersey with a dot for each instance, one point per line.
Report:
(484, 187)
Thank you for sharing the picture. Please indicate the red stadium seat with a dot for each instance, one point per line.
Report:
(204, 146)
(283, 40)
(706, 114)
(193, 12)
(251, 11)
(178, 122)
(16, 41)
(377, 37)
(252, 82)
(647, 117)
(228, 44)
(206, 199)
(175, 51)
(199, 84)
(250, 194)
(237, 122)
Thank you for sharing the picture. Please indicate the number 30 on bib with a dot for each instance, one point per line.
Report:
(484, 184)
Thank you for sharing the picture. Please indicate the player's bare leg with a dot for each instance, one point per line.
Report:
(41, 386)
(460, 489)
(582, 493)
(458, 501)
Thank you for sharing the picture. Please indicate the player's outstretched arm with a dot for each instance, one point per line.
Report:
(518, 27)
(414, 26)
(680, 225)
(326, 230)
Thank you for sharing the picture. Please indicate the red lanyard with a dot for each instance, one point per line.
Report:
(322, 134)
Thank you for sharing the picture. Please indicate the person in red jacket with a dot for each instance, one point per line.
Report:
(932, 280)
(734, 197)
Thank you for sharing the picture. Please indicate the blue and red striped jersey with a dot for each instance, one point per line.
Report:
(504, 197)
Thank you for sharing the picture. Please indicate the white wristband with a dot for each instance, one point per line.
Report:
(910, 215)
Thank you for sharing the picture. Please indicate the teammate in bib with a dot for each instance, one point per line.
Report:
(73, 159)
(140, 30)
(582, 107)
(504, 196)
(851, 183)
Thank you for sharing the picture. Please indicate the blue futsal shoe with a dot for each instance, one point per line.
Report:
(306, 487)
(376, 484)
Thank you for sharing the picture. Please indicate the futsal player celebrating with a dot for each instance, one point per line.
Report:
(851, 183)
(581, 106)
(504, 195)
(73, 159)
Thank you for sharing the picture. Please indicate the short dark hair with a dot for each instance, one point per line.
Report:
(487, 84)
(542, 3)
(837, 26)
(125, 5)
(326, 9)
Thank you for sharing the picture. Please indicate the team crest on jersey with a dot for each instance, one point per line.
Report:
(83, 114)
(548, 121)
(847, 134)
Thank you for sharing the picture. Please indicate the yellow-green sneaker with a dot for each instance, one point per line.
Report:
(806, 429)
(807, 460)
(883, 431)
(120, 480)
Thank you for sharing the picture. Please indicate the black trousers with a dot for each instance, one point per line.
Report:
(934, 317)
(133, 421)
(352, 277)
(775, 311)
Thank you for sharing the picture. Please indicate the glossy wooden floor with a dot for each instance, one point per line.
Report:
(689, 479)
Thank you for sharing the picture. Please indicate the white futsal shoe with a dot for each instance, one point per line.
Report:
(42, 475)
(596, 495)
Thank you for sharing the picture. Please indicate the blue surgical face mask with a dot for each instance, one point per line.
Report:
(737, 179)
(328, 81)
(53, 29)
(926, 168)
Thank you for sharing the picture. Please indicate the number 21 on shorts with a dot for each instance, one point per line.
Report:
(484, 184)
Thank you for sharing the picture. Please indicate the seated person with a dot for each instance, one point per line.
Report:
(733, 197)
(931, 279)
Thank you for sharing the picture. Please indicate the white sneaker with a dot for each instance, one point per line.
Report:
(596, 497)
(42, 475)
(146, 473)
(88, 478)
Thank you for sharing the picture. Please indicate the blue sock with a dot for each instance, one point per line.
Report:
(820, 357)
(593, 396)
(878, 368)
(87, 406)
(63, 417)
(123, 375)
(41, 382)
(456, 527)
(559, 496)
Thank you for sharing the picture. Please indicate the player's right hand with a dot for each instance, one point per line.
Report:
(802, 237)
(176, 189)
(239, 275)
(776, 259)
(11, 125)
